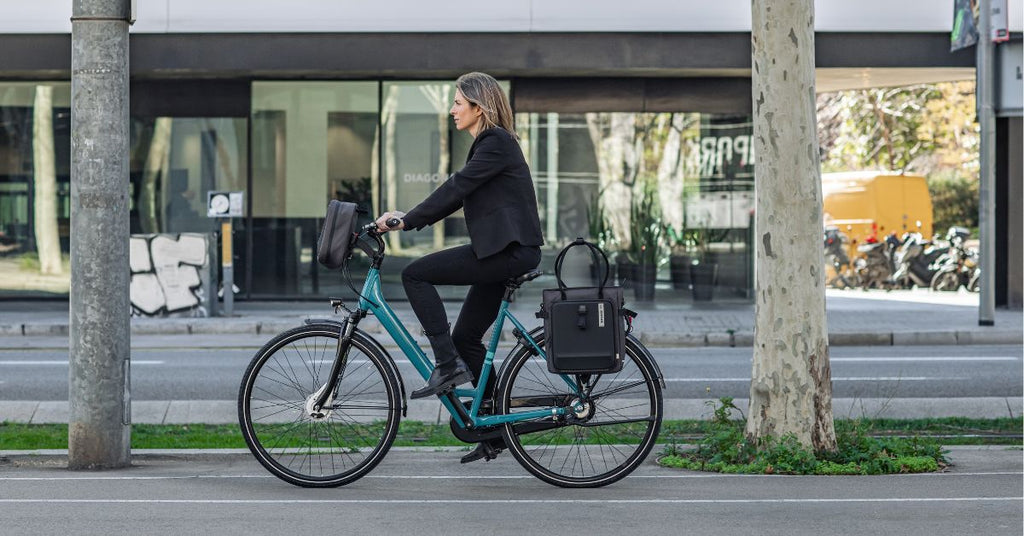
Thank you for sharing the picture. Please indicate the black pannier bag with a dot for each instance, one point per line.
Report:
(584, 327)
(336, 237)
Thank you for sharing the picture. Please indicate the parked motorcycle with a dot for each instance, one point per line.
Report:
(915, 261)
(958, 266)
(876, 265)
(835, 255)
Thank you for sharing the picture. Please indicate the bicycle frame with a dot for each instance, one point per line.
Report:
(372, 300)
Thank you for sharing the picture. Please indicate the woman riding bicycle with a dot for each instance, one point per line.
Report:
(495, 191)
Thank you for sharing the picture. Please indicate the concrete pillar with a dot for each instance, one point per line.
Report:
(99, 425)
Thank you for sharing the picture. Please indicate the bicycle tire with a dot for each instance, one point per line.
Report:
(947, 280)
(334, 450)
(584, 455)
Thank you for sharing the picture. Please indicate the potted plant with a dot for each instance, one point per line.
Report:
(646, 249)
(601, 233)
(680, 243)
(703, 272)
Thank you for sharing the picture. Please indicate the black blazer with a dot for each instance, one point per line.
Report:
(496, 192)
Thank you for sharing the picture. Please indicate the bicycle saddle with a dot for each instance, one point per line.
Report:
(528, 276)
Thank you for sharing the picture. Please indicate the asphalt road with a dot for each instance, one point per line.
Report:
(175, 371)
(425, 492)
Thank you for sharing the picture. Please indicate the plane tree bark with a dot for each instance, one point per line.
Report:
(791, 384)
(44, 164)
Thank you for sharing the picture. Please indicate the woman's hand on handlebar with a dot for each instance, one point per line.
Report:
(383, 225)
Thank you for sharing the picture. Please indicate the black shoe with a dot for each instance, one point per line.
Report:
(443, 380)
(485, 450)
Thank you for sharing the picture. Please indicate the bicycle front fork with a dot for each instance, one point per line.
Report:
(325, 395)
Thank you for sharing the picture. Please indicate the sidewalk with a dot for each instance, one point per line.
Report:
(854, 318)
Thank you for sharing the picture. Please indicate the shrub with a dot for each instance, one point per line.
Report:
(726, 449)
(954, 202)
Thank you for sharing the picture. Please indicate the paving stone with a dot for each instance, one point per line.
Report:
(923, 337)
(149, 411)
(46, 329)
(51, 412)
(660, 338)
(217, 325)
(990, 336)
(17, 410)
(860, 339)
(719, 339)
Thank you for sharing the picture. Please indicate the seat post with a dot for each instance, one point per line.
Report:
(515, 282)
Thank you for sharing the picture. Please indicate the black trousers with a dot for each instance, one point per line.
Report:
(486, 277)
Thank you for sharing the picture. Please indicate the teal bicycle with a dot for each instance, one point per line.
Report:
(320, 404)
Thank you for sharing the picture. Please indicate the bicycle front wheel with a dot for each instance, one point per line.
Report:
(333, 446)
(600, 444)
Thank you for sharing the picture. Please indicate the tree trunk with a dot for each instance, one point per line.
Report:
(44, 159)
(616, 164)
(791, 384)
(438, 97)
(389, 116)
(156, 166)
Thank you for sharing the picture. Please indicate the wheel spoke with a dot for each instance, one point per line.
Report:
(612, 434)
(359, 424)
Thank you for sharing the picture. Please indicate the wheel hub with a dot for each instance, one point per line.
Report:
(322, 413)
(582, 409)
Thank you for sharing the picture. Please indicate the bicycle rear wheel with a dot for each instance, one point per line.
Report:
(604, 442)
(347, 438)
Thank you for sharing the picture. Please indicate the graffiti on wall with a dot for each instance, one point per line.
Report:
(166, 274)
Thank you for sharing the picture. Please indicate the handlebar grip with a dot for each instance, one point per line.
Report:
(392, 222)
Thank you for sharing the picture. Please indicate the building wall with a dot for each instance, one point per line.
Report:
(223, 16)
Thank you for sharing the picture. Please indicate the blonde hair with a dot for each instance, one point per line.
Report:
(483, 90)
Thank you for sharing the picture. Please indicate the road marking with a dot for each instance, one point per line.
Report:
(925, 358)
(513, 501)
(465, 477)
(65, 363)
(849, 379)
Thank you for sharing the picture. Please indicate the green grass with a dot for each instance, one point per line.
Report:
(946, 431)
(864, 447)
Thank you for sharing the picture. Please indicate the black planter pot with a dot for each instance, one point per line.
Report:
(679, 269)
(625, 271)
(702, 277)
(643, 283)
(597, 274)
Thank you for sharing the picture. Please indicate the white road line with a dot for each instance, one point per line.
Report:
(464, 477)
(925, 358)
(513, 501)
(850, 379)
(25, 363)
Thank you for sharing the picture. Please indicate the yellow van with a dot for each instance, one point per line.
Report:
(868, 205)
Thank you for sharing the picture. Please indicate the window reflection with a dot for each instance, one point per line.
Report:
(648, 187)
(175, 162)
(35, 191)
(311, 142)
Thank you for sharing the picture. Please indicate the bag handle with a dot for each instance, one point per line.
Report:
(561, 256)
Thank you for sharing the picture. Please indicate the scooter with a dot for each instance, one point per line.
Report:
(876, 266)
(958, 266)
(915, 260)
(835, 254)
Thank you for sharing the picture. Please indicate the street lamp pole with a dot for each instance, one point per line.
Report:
(987, 159)
(99, 423)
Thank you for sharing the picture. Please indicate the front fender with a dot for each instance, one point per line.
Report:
(334, 324)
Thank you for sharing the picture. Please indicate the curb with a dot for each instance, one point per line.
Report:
(980, 336)
(893, 338)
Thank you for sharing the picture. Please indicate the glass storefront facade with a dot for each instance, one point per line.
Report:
(658, 190)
